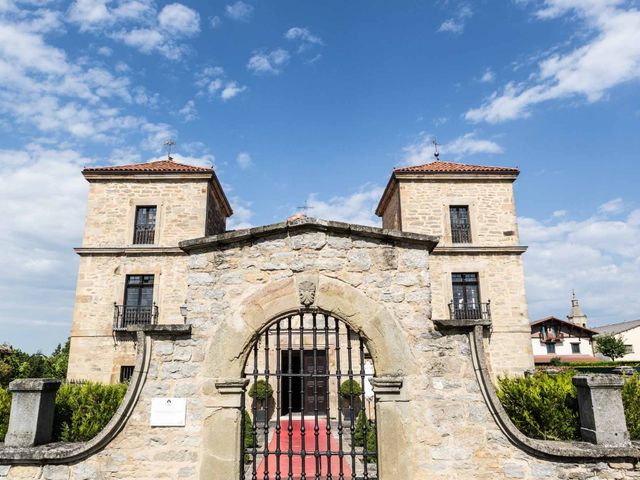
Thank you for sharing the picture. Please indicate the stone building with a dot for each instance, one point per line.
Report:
(203, 315)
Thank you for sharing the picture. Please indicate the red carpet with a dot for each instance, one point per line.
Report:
(310, 465)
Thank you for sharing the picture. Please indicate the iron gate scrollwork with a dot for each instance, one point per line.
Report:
(310, 411)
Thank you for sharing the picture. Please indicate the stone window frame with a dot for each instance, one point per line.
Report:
(471, 204)
(136, 202)
(121, 284)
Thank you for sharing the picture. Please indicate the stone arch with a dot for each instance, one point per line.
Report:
(234, 336)
(229, 347)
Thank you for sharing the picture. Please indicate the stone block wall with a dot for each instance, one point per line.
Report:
(501, 280)
(181, 210)
(95, 353)
(424, 207)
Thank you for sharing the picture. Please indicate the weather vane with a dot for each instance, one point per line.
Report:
(169, 144)
(436, 152)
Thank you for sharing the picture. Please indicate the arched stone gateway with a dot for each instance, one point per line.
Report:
(311, 404)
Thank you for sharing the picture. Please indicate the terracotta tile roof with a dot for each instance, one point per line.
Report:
(563, 322)
(450, 167)
(160, 166)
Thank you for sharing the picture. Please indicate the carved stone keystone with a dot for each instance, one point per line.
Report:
(231, 391)
(32, 409)
(602, 418)
(307, 292)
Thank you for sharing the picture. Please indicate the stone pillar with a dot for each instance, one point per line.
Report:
(32, 409)
(602, 418)
(222, 456)
(391, 413)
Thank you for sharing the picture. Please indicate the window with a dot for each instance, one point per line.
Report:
(138, 299)
(460, 225)
(466, 295)
(126, 371)
(575, 348)
(628, 349)
(145, 227)
(551, 347)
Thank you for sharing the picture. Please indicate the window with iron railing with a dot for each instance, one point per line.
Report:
(138, 307)
(466, 303)
(460, 224)
(145, 226)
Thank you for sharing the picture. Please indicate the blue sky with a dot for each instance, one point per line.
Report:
(318, 101)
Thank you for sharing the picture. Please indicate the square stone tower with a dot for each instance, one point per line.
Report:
(131, 269)
(476, 269)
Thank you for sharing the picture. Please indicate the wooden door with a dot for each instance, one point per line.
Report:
(315, 388)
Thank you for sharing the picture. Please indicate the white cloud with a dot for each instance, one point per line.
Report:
(598, 256)
(239, 11)
(612, 206)
(178, 18)
(137, 24)
(268, 62)
(358, 208)
(205, 160)
(422, 149)
(188, 112)
(304, 36)
(242, 214)
(212, 81)
(215, 22)
(609, 58)
(231, 89)
(43, 197)
(244, 160)
(105, 51)
(457, 23)
(488, 76)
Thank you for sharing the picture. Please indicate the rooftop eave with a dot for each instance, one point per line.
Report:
(467, 176)
(429, 242)
(111, 175)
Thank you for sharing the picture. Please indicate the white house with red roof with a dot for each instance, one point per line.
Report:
(570, 340)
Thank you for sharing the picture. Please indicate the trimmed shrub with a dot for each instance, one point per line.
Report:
(5, 407)
(83, 410)
(360, 432)
(555, 361)
(350, 388)
(261, 390)
(631, 402)
(248, 436)
(372, 443)
(542, 406)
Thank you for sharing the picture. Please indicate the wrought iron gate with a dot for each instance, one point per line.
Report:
(309, 412)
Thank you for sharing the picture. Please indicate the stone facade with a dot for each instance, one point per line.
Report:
(434, 424)
(188, 205)
(420, 202)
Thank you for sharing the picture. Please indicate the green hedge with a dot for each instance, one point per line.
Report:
(542, 406)
(261, 390)
(545, 406)
(83, 410)
(631, 401)
(5, 406)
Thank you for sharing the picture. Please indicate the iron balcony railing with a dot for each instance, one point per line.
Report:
(470, 311)
(125, 315)
(460, 234)
(144, 234)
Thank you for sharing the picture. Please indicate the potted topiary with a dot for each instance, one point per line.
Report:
(261, 394)
(350, 392)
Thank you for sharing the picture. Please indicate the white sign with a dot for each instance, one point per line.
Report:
(168, 412)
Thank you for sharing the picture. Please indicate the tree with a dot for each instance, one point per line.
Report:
(610, 345)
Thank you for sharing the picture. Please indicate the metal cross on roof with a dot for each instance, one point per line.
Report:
(169, 144)
(305, 207)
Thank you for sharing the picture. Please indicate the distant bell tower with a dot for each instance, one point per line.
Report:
(576, 316)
